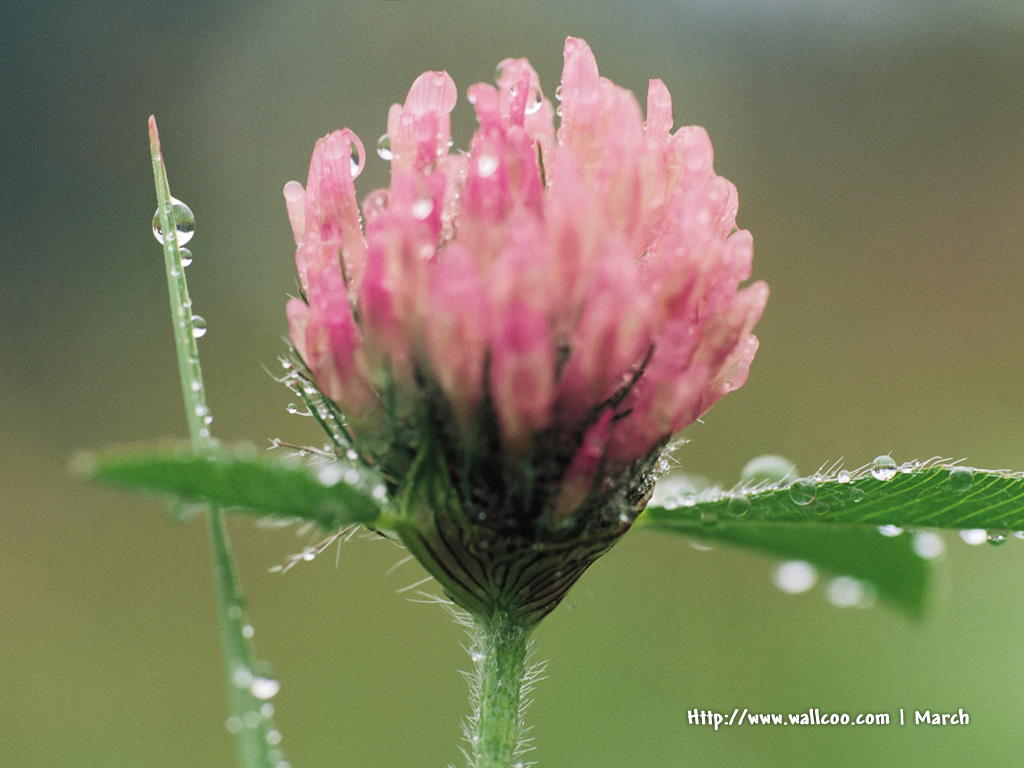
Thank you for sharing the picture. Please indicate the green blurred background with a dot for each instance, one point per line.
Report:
(878, 149)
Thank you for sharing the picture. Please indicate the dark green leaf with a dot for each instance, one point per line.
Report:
(332, 495)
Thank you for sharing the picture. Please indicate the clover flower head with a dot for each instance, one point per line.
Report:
(513, 333)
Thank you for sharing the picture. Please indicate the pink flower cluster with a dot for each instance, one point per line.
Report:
(583, 281)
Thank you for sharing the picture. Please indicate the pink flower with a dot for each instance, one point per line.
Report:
(539, 314)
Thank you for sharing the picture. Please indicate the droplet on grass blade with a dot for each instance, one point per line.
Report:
(184, 222)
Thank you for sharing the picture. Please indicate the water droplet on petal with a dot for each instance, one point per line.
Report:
(198, 326)
(802, 491)
(356, 159)
(264, 687)
(795, 576)
(558, 93)
(883, 468)
(974, 536)
(961, 479)
(384, 147)
(738, 506)
(186, 256)
(184, 222)
(486, 165)
(768, 468)
(422, 208)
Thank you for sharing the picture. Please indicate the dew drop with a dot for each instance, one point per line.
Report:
(330, 474)
(379, 492)
(890, 530)
(198, 326)
(802, 491)
(422, 208)
(857, 495)
(995, 538)
(883, 468)
(738, 506)
(184, 222)
(309, 554)
(273, 737)
(477, 656)
(292, 408)
(844, 477)
(248, 631)
(974, 536)
(384, 148)
(708, 518)
(264, 687)
(928, 544)
(486, 165)
(351, 454)
(195, 386)
(848, 592)
(795, 576)
(820, 508)
(355, 159)
(186, 256)
(534, 105)
(558, 93)
(769, 468)
(961, 479)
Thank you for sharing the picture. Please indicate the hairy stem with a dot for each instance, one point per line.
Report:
(499, 650)
(247, 691)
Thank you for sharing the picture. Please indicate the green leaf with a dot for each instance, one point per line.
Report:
(335, 496)
(831, 520)
(929, 495)
(890, 564)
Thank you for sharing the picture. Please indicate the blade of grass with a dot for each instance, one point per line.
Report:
(256, 737)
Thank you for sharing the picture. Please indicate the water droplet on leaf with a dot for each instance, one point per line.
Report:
(883, 468)
(974, 536)
(961, 479)
(890, 530)
(198, 326)
(928, 544)
(802, 491)
(995, 538)
(738, 506)
(795, 576)
(186, 256)
(183, 221)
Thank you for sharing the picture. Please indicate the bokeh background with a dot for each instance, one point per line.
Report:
(878, 148)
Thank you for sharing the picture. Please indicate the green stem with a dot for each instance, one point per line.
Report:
(248, 691)
(499, 649)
